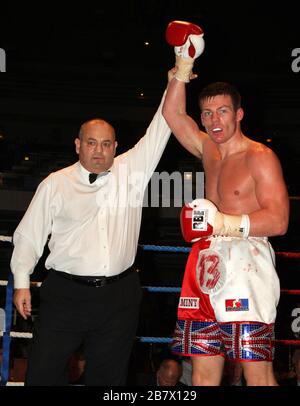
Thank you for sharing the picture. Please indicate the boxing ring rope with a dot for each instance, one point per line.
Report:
(290, 291)
(166, 248)
(8, 334)
(169, 340)
(144, 339)
(5, 238)
(288, 254)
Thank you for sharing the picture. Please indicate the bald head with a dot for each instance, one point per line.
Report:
(96, 145)
(96, 122)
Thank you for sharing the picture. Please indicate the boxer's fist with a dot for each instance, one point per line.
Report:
(187, 39)
(192, 48)
(197, 219)
(201, 218)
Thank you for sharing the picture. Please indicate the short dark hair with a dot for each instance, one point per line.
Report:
(221, 88)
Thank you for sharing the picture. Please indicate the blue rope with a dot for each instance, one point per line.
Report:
(6, 333)
(162, 289)
(165, 248)
(155, 339)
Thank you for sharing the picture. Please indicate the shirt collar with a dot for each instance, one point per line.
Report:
(85, 174)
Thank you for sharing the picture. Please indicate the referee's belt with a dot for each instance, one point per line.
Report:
(95, 281)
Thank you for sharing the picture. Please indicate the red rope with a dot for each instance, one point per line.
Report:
(288, 254)
(290, 291)
(288, 342)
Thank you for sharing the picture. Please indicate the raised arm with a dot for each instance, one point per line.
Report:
(187, 39)
(184, 128)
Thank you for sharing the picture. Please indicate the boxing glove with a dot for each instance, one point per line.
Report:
(187, 39)
(201, 218)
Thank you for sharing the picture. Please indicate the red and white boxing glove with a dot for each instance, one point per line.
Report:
(201, 218)
(187, 39)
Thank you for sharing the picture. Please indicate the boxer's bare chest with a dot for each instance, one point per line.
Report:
(229, 183)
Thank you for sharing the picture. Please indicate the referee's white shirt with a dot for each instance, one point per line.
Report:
(93, 228)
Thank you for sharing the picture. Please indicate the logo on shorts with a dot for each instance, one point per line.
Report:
(189, 303)
(210, 271)
(237, 305)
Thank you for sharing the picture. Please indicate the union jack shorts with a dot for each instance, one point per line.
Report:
(242, 341)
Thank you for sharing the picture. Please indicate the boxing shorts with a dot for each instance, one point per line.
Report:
(229, 292)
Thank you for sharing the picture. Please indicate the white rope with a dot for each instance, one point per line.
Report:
(3, 283)
(5, 238)
(15, 383)
(17, 334)
(34, 284)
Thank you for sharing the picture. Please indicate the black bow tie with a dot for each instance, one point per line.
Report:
(93, 177)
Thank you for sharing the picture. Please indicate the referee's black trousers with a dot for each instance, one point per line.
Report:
(103, 319)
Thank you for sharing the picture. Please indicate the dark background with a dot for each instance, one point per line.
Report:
(65, 65)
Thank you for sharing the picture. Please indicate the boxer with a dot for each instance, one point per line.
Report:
(230, 288)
